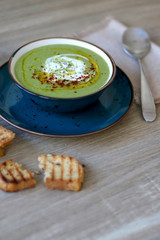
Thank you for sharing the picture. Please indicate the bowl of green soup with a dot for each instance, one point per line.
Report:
(61, 74)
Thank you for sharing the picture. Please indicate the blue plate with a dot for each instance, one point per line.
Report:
(27, 116)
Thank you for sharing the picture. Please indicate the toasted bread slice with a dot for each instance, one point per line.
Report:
(6, 136)
(61, 172)
(14, 178)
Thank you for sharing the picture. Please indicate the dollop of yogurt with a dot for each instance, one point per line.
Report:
(69, 67)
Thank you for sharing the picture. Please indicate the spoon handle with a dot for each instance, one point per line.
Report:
(147, 101)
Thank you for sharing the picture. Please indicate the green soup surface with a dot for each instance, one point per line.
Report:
(62, 71)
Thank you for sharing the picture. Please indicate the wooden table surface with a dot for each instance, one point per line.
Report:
(120, 198)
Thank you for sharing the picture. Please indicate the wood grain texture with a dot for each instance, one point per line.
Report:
(120, 199)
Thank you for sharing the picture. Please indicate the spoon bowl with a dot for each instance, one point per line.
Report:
(136, 42)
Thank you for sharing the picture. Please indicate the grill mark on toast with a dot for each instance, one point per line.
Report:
(44, 163)
(71, 169)
(4, 172)
(62, 167)
(21, 174)
(52, 170)
(11, 174)
(6, 179)
(13, 180)
(79, 170)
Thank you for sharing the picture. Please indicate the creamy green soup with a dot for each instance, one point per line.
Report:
(62, 71)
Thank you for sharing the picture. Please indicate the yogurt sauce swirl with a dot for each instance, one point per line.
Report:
(69, 67)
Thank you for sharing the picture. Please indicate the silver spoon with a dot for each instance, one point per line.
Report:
(136, 43)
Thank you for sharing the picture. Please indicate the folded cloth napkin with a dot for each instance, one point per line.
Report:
(108, 35)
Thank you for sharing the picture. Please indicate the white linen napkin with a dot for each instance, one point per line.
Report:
(108, 35)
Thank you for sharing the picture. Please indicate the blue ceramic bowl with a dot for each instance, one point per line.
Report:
(59, 104)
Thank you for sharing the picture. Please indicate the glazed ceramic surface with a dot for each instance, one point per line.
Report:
(24, 114)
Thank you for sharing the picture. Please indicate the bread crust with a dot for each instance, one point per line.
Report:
(13, 178)
(71, 173)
